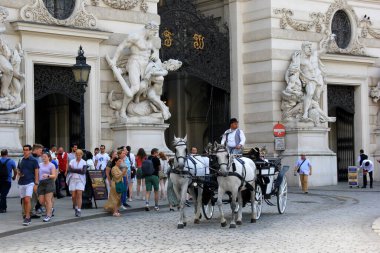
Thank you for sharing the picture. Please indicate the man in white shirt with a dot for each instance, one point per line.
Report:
(367, 167)
(71, 156)
(101, 159)
(304, 169)
(234, 138)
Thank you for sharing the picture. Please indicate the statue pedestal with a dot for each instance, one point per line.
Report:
(140, 135)
(10, 125)
(376, 156)
(313, 141)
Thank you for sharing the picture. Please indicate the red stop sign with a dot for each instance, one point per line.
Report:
(279, 130)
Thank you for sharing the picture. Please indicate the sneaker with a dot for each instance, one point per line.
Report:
(47, 219)
(35, 216)
(143, 198)
(78, 213)
(187, 203)
(147, 207)
(130, 200)
(39, 211)
(156, 208)
(52, 212)
(126, 205)
(27, 222)
(123, 207)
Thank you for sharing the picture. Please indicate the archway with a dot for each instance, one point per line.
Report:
(198, 94)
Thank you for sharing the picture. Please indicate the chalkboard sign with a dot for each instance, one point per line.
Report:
(98, 185)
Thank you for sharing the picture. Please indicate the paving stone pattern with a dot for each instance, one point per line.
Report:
(323, 221)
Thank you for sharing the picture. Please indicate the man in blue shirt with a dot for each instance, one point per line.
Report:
(6, 167)
(28, 180)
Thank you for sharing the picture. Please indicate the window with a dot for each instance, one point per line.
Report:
(60, 9)
(341, 27)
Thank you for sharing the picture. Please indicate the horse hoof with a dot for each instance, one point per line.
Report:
(180, 226)
(232, 225)
(224, 224)
(185, 223)
(196, 221)
(253, 220)
(239, 222)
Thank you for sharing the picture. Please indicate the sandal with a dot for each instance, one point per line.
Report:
(116, 214)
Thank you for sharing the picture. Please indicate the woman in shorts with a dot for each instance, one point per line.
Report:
(46, 188)
(77, 180)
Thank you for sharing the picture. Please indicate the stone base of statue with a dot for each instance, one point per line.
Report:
(141, 135)
(10, 125)
(376, 155)
(313, 141)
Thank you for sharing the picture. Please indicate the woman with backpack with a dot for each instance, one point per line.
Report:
(163, 174)
(140, 157)
(117, 187)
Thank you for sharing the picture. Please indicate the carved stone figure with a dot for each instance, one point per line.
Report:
(305, 83)
(11, 79)
(141, 75)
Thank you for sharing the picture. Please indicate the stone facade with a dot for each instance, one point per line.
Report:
(264, 34)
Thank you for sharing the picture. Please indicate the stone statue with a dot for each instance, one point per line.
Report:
(141, 74)
(305, 83)
(11, 78)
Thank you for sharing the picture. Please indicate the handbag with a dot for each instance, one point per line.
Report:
(161, 174)
(120, 187)
(299, 167)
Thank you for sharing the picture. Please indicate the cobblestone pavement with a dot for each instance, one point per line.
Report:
(322, 221)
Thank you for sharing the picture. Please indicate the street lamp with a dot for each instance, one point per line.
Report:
(81, 71)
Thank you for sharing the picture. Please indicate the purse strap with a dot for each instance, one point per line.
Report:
(299, 167)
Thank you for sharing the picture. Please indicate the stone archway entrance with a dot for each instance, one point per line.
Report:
(59, 114)
(198, 95)
(341, 139)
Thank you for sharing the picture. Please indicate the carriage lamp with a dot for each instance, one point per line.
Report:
(81, 69)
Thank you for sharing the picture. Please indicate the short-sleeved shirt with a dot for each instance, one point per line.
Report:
(45, 169)
(156, 164)
(305, 167)
(102, 161)
(10, 165)
(27, 167)
(71, 156)
(78, 166)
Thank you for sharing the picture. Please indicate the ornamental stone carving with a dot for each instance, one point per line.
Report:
(322, 23)
(375, 93)
(305, 83)
(11, 78)
(123, 4)
(317, 19)
(365, 25)
(141, 75)
(37, 12)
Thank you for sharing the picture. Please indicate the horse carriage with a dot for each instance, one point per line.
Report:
(246, 179)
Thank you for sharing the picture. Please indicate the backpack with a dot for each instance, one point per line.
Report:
(4, 173)
(147, 168)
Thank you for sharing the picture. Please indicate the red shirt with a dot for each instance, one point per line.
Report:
(139, 161)
(62, 162)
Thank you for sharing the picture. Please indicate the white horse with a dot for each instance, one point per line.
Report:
(236, 174)
(181, 177)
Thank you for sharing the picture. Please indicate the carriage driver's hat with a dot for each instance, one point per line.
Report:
(233, 120)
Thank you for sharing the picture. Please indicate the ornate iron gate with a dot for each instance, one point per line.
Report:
(202, 44)
(55, 79)
(341, 99)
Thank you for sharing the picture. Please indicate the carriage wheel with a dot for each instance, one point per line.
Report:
(258, 205)
(208, 210)
(282, 196)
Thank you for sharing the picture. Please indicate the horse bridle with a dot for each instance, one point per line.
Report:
(220, 150)
(180, 143)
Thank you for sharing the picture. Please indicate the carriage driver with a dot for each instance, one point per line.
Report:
(234, 138)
